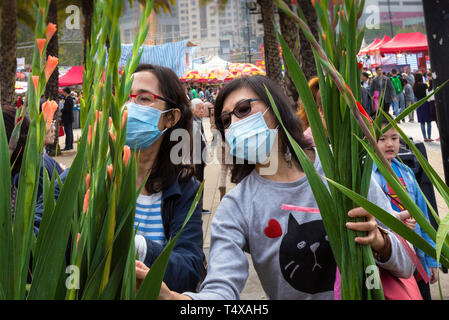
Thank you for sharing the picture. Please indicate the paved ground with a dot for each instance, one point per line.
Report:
(253, 289)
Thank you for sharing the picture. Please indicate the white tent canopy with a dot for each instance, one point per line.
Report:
(214, 63)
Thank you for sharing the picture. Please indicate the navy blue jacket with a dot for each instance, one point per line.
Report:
(185, 266)
(186, 260)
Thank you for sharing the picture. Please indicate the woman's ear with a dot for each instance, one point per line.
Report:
(172, 118)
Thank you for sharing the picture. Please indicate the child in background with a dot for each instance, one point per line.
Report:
(389, 145)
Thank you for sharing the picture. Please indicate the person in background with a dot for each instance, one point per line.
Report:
(201, 94)
(193, 93)
(409, 97)
(409, 76)
(366, 81)
(199, 112)
(425, 118)
(9, 113)
(67, 119)
(382, 87)
(208, 94)
(389, 145)
(396, 81)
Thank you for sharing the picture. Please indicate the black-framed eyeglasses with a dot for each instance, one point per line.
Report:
(147, 98)
(241, 109)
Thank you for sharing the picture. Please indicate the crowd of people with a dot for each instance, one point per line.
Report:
(399, 91)
(290, 251)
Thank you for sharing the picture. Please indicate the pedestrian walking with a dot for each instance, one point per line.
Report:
(67, 119)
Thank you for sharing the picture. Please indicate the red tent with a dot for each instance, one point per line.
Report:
(409, 42)
(375, 48)
(368, 47)
(73, 77)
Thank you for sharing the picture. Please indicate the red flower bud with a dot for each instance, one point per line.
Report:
(363, 111)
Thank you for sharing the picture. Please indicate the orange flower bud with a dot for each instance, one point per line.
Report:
(51, 29)
(125, 117)
(112, 135)
(126, 154)
(41, 45)
(35, 82)
(86, 201)
(48, 111)
(89, 135)
(87, 181)
(110, 170)
(324, 36)
(52, 62)
(97, 118)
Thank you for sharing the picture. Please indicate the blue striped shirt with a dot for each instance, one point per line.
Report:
(148, 220)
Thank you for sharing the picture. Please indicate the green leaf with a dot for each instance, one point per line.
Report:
(6, 238)
(53, 237)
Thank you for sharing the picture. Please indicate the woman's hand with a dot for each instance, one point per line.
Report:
(405, 217)
(165, 293)
(141, 272)
(433, 275)
(374, 237)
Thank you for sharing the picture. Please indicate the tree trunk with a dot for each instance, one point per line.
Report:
(87, 7)
(52, 88)
(8, 59)
(306, 54)
(273, 64)
(290, 33)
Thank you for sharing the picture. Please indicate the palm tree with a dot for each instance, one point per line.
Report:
(52, 88)
(307, 59)
(290, 33)
(273, 64)
(8, 62)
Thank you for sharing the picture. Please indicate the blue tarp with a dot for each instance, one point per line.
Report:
(172, 55)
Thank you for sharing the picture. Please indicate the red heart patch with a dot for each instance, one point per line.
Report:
(273, 230)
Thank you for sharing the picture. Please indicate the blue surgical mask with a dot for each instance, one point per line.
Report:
(142, 128)
(251, 139)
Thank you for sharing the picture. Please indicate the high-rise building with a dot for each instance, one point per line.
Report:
(215, 31)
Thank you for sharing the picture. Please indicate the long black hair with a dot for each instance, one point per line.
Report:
(164, 172)
(291, 122)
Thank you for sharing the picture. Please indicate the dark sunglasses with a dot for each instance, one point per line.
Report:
(241, 109)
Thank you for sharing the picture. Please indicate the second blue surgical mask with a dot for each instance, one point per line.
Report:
(251, 139)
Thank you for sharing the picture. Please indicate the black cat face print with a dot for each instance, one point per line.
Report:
(306, 258)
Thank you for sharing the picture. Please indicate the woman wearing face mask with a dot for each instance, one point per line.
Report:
(289, 249)
(157, 106)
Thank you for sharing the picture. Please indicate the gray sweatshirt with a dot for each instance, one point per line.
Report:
(289, 249)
